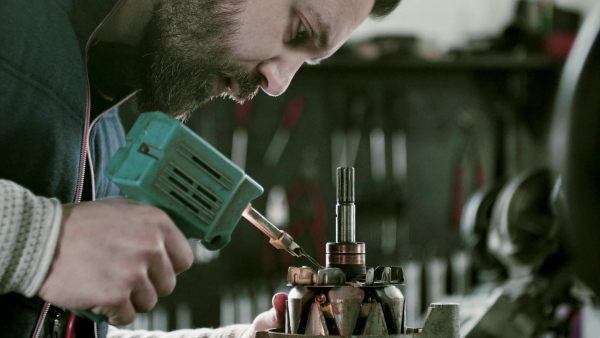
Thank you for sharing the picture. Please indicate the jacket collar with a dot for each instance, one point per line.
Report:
(88, 15)
(107, 88)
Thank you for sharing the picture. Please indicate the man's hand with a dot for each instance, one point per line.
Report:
(272, 319)
(115, 257)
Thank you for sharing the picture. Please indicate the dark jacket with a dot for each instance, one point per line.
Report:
(47, 112)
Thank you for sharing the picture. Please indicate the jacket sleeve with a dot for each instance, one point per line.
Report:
(29, 231)
(232, 331)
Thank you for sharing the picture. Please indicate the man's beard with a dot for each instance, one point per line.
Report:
(184, 49)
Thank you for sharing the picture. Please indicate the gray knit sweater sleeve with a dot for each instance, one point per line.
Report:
(29, 230)
(232, 331)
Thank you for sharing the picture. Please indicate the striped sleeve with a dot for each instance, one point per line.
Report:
(29, 231)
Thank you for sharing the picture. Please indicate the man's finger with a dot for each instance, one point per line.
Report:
(123, 315)
(177, 247)
(274, 318)
(162, 276)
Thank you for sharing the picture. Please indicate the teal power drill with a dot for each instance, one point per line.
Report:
(165, 164)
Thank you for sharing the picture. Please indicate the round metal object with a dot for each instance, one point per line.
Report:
(475, 226)
(345, 248)
(348, 257)
(575, 148)
(345, 253)
(523, 230)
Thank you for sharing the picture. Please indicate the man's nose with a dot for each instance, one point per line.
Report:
(278, 73)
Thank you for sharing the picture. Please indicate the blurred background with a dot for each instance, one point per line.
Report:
(441, 100)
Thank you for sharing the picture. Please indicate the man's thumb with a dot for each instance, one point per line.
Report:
(279, 301)
(274, 318)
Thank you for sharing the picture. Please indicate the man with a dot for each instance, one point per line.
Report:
(65, 66)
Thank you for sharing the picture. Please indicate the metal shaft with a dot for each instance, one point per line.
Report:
(345, 208)
(346, 253)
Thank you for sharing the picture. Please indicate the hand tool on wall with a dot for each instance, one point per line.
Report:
(467, 164)
(357, 112)
(347, 127)
(239, 143)
(398, 111)
(377, 142)
(277, 209)
(281, 137)
(338, 112)
(167, 165)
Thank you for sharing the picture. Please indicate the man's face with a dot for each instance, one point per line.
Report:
(195, 50)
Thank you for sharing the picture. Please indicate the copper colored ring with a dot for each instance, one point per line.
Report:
(345, 248)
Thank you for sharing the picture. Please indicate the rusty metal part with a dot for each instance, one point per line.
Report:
(345, 253)
(442, 321)
(316, 324)
(381, 276)
(389, 274)
(345, 304)
(346, 299)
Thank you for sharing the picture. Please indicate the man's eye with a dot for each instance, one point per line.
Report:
(301, 35)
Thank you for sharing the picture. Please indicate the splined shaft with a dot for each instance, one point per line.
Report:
(346, 253)
(345, 208)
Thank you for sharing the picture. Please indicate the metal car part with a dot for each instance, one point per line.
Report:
(348, 299)
(523, 230)
(574, 144)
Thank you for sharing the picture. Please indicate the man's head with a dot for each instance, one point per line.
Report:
(195, 50)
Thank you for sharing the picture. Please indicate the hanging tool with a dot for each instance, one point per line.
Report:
(338, 115)
(282, 136)
(239, 143)
(277, 209)
(466, 156)
(359, 106)
(377, 143)
(398, 121)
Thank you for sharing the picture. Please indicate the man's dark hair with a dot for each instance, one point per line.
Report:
(383, 8)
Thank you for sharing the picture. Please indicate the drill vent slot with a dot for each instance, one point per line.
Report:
(186, 152)
(182, 175)
(207, 194)
(184, 202)
(206, 167)
(179, 185)
(194, 196)
(188, 194)
(197, 198)
(201, 189)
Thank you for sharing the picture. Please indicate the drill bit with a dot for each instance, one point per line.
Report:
(278, 238)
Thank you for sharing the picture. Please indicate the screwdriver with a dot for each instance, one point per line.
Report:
(278, 238)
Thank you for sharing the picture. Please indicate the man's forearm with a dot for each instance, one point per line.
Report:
(29, 230)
